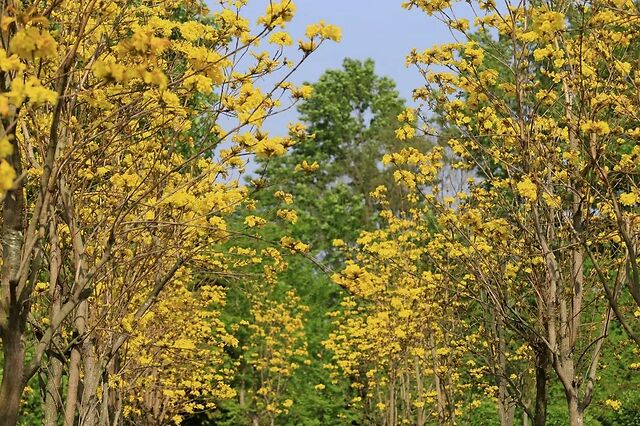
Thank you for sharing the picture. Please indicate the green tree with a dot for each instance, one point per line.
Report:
(351, 118)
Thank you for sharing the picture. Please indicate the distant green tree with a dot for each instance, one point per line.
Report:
(352, 115)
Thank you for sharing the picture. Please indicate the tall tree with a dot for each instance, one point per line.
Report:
(350, 120)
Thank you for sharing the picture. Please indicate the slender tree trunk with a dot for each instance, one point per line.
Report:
(542, 363)
(506, 408)
(13, 309)
(576, 415)
(12, 378)
(89, 406)
(104, 404)
(420, 420)
(117, 410)
(53, 398)
(111, 398)
(391, 403)
(73, 388)
(440, 396)
(52, 401)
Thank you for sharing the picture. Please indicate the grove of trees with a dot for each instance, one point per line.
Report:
(471, 259)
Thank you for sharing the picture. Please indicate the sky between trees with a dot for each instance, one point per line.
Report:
(376, 29)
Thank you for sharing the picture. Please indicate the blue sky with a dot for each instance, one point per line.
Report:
(377, 29)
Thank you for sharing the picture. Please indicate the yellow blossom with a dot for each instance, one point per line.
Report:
(629, 199)
(527, 189)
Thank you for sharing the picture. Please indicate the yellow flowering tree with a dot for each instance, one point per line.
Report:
(116, 191)
(401, 337)
(273, 349)
(543, 109)
(539, 102)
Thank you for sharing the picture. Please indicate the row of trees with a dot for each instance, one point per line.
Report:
(124, 127)
(518, 285)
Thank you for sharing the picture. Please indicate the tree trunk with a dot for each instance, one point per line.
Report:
(506, 412)
(440, 396)
(420, 420)
(13, 309)
(89, 406)
(506, 408)
(104, 405)
(73, 389)
(52, 401)
(576, 415)
(542, 362)
(12, 383)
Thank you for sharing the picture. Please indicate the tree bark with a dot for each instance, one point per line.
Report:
(73, 388)
(542, 363)
(440, 396)
(89, 406)
(13, 309)
(53, 398)
(506, 408)
(52, 401)
(576, 415)
(12, 378)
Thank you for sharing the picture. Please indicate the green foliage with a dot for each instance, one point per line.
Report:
(351, 111)
(31, 409)
(352, 115)
(484, 415)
